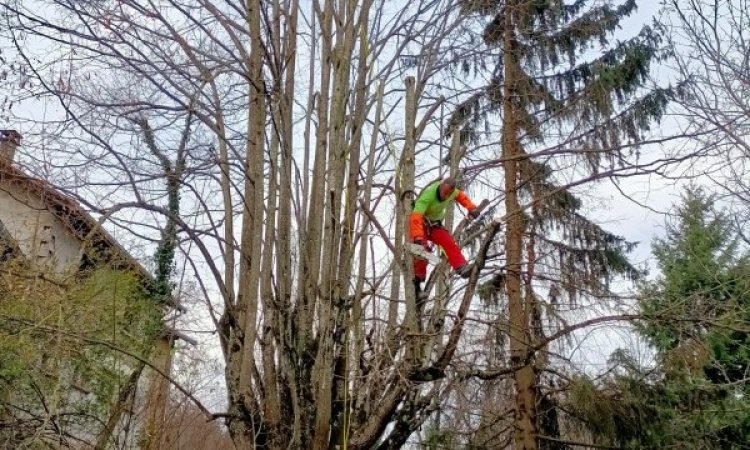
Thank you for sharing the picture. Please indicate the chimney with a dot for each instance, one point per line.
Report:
(9, 141)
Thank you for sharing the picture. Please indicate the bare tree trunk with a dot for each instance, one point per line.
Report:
(331, 311)
(357, 309)
(271, 400)
(283, 254)
(319, 399)
(343, 323)
(525, 425)
(395, 292)
(228, 231)
(406, 182)
(241, 370)
(309, 222)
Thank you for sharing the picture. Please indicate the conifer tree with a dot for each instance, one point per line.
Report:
(695, 316)
(703, 278)
(571, 101)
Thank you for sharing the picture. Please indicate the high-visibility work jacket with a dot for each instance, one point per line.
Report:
(429, 206)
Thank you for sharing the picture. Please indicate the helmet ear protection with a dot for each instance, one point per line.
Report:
(450, 181)
(457, 182)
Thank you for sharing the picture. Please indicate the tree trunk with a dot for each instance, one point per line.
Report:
(343, 324)
(288, 397)
(123, 398)
(406, 182)
(271, 403)
(241, 370)
(320, 384)
(525, 425)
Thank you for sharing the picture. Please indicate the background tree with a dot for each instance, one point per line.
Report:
(710, 53)
(695, 317)
(561, 127)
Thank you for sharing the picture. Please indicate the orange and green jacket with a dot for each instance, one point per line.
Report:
(429, 206)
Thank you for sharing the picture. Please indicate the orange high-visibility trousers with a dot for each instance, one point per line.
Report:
(440, 236)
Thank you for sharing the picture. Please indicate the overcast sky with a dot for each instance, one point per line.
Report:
(640, 218)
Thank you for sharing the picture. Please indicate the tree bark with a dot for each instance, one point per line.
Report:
(158, 394)
(406, 182)
(283, 236)
(525, 425)
(320, 400)
(242, 380)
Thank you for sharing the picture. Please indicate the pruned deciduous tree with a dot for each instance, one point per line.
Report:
(711, 55)
(292, 241)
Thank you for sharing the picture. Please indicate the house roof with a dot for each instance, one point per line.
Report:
(77, 220)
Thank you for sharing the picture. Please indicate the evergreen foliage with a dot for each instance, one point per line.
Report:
(578, 98)
(696, 316)
(577, 108)
(704, 340)
(704, 277)
(567, 69)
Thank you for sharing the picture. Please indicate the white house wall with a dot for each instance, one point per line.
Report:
(40, 236)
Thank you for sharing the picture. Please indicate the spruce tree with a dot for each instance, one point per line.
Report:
(696, 318)
(571, 101)
(693, 394)
(702, 277)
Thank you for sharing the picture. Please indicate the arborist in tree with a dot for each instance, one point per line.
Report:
(426, 224)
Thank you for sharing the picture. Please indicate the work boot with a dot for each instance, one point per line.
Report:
(464, 270)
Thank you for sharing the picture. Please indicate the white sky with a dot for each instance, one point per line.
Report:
(617, 213)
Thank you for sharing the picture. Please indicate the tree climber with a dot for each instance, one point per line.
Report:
(426, 224)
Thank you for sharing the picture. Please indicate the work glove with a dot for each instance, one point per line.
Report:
(474, 213)
(423, 243)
